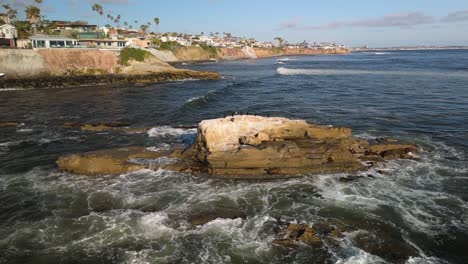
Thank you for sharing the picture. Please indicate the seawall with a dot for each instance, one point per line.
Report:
(27, 63)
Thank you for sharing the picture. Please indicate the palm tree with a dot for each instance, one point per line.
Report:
(98, 9)
(33, 14)
(280, 41)
(144, 28)
(156, 21)
(10, 13)
(117, 20)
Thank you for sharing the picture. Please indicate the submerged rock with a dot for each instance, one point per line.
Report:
(292, 235)
(101, 126)
(255, 147)
(8, 124)
(112, 161)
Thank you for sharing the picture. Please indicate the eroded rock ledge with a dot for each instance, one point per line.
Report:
(253, 147)
(58, 81)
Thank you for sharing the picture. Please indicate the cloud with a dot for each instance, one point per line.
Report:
(457, 16)
(402, 20)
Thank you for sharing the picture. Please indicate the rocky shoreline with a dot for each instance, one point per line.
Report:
(60, 81)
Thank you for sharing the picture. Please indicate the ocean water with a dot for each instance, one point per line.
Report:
(47, 216)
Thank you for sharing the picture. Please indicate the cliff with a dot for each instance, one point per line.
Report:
(193, 54)
(266, 53)
(196, 54)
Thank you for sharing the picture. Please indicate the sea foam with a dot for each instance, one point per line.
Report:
(162, 131)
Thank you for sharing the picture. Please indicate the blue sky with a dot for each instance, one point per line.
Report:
(376, 23)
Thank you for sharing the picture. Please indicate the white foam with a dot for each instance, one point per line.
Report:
(195, 99)
(361, 258)
(424, 260)
(160, 148)
(286, 59)
(288, 71)
(154, 225)
(170, 131)
(14, 89)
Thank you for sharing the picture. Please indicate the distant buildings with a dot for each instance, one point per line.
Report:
(8, 35)
(80, 34)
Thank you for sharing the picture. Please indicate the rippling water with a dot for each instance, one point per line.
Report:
(48, 216)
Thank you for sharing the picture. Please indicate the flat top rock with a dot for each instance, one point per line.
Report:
(223, 134)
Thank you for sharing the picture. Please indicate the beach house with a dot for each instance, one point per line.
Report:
(52, 41)
(8, 35)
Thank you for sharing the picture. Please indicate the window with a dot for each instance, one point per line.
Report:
(69, 44)
(38, 43)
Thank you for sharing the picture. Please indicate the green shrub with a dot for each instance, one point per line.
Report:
(277, 50)
(128, 54)
(170, 45)
(213, 51)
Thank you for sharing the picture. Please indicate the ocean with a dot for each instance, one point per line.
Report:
(48, 216)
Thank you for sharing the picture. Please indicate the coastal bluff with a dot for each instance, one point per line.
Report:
(253, 147)
(48, 68)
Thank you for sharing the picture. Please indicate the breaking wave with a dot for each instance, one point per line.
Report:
(164, 131)
(14, 89)
(286, 59)
(288, 71)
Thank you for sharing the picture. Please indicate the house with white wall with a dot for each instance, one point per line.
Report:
(52, 41)
(8, 35)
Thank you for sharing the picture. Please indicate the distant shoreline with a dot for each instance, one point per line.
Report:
(410, 48)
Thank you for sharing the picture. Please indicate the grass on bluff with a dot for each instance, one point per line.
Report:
(213, 51)
(128, 54)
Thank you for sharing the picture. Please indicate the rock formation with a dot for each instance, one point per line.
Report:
(255, 147)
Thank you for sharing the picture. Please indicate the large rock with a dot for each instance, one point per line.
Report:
(242, 146)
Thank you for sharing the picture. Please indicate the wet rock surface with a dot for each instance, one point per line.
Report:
(103, 126)
(112, 161)
(58, 81)
(374, 237)
(9, 124)
(292, 235)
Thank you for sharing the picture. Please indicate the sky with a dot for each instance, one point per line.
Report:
(376, 23)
